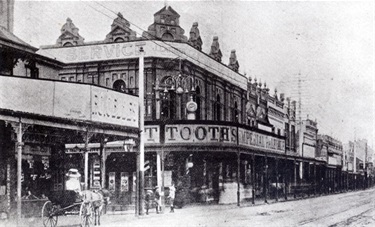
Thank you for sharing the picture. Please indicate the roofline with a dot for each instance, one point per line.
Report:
(30, 48)
(46, 47)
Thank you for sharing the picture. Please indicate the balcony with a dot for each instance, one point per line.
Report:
(72, 101)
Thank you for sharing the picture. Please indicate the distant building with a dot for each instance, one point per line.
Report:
(307, 136)
(348, 156)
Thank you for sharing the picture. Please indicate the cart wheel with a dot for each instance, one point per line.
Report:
(86, 214)
(49, 215)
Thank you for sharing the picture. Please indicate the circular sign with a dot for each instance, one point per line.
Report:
(191, 106)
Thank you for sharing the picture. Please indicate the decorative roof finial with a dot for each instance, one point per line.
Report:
(215, 52)
(275, 93)
(233, 63)
(195, 38)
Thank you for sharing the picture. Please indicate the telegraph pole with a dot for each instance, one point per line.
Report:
(300, 142)
(141, 96)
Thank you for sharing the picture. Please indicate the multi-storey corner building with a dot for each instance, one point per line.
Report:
(218, 131)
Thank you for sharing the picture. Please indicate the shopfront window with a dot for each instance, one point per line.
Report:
(168, 105)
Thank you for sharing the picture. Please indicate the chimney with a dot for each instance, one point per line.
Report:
(282, 97)
(7, 15)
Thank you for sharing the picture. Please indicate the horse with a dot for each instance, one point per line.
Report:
(98, 198)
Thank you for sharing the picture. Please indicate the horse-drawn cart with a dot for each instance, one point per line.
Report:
(67, 202)
(87, 204)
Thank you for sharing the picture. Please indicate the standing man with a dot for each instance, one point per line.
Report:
(157, 199)
(148, 200)
(172, 193)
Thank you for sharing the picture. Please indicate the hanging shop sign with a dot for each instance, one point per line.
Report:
(96, 173)
(112, 181)
(124, 185)
(219, 134)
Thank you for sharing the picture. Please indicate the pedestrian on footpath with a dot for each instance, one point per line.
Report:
(148, 200)
(172, 193)
(157, 199)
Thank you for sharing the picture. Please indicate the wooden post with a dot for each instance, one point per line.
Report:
(19, 172)
(86, 160)
(314, 178)
(238, 176)
(285, 167)
(265, 179)
(295, 178)
(162, 196)
(277, 179)
(253, 178)
(19, 129)
(141, 98)
(103, 166)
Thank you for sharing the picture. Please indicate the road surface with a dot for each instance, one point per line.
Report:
(347, 209)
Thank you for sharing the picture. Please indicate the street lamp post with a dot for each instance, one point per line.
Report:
(180, 84)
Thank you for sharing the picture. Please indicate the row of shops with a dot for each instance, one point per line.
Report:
(215, 134)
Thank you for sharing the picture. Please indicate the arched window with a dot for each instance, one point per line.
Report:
(167, 36)
(236, 112)
(198, 101)
(119, 85)
(217, 108)
(119, 40)
(68, 44)
(168, 100)
(114, 77)
(168, 105)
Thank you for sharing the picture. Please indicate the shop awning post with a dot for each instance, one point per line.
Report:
(19, 172)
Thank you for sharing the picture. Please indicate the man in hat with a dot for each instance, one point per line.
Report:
(157, 199)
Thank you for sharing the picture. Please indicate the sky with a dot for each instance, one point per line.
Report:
(327, 45)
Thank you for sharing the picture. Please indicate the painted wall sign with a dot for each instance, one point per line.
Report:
(152, 134)
(256, 140)
(308, 151)
(216, 135)
(69, 100)
(112, 107)
(200, 133)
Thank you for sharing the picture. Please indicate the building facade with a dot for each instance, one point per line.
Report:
(217, 135)
(217, 131)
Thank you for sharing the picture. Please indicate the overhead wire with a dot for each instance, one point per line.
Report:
(167, 44)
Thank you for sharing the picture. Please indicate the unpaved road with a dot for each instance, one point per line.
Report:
(348, 209)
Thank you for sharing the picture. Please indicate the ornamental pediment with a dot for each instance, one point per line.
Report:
(118, 31)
